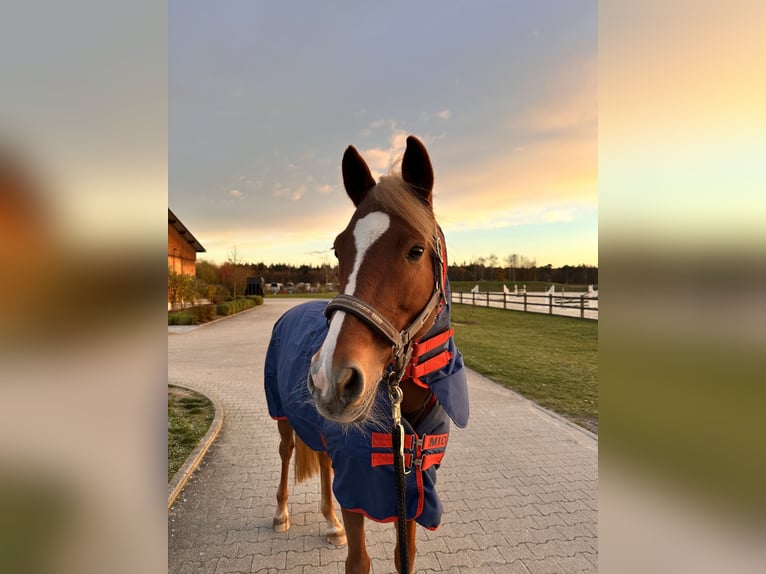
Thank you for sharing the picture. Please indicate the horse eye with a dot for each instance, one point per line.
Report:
(416, 253)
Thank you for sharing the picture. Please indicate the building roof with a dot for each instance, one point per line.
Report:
(185, 233)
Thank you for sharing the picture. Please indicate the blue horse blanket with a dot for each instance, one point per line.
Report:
(361, 455)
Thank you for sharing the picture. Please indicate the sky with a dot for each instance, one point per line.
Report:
(264, 97)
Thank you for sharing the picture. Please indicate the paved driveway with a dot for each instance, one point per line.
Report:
(519, 485)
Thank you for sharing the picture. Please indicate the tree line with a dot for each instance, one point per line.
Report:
(485, 269)
(216, 282)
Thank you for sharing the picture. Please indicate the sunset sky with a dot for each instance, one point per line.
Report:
(264, 97)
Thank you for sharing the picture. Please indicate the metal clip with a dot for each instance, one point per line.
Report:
(401, 449)
(396, 395)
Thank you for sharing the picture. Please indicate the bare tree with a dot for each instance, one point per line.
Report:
(480, 262)
(492, 261)
(513, 261)
(234, 270)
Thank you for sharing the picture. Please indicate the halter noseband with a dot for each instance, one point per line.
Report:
(401, 341)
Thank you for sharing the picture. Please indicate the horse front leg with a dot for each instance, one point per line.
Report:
(411, 533)
(335, 533)
(286, 445)
(357, 561)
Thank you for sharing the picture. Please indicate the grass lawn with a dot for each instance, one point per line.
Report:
(189, 417)
(549, 359)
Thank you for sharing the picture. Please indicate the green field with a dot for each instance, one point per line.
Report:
(549, 359)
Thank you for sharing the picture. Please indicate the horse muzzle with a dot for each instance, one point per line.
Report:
(338, 393)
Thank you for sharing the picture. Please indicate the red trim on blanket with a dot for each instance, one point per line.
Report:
(361, 511)
(386, 520)
(383, 440)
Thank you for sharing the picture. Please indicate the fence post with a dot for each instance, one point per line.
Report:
(461, 297)
(582, 306)
(505, 300)
(525, 301)
(473, 298)
(487, 298)
(550, 304)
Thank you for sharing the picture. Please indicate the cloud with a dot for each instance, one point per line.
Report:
(236, 194)
(326, 188)
(298, 193)
(381, 159)
(279, 190)
(440, 115)
(480, 219)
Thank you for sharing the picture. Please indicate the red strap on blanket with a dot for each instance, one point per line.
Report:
(420, 348)
(414, 370)
(387, 458)
(422, 458)
(429, 366)
(383, 440)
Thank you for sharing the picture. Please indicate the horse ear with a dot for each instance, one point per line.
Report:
(357, 178)
(417, 170)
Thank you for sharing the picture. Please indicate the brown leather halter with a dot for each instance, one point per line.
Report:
(401, 341)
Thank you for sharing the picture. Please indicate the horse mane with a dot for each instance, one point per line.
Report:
(393, 196)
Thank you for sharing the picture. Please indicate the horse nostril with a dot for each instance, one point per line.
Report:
(351, 384)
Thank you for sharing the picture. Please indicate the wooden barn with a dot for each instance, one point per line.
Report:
(182, 247)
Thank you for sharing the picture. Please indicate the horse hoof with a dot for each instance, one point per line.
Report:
(281, 524)
(337, 538)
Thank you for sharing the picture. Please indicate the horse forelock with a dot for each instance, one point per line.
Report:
(393, 196)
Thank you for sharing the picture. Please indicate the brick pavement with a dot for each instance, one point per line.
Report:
(519, 485)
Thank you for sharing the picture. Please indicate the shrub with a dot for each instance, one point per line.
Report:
(235, 306)
(204, 313)
(215, 293)
(181, 318)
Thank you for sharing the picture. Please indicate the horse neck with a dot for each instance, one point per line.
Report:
(415, 397)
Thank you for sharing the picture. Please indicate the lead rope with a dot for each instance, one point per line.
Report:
(397, 442)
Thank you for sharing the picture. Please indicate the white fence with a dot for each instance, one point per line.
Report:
(582, 305)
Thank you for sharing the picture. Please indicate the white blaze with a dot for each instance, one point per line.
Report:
(366, 232)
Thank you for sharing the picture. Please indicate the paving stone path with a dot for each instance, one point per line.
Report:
(519, 485)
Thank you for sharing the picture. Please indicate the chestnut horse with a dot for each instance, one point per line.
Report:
(328, 364)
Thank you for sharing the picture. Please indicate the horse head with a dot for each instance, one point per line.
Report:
(390, 268)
